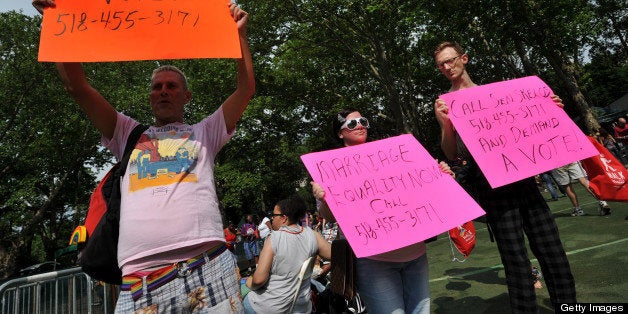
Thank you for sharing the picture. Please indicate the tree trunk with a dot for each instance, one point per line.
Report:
(619, 35)
(544, 39)
(567, 76)
(383, 74)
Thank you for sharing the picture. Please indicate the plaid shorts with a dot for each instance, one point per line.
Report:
(212, 287)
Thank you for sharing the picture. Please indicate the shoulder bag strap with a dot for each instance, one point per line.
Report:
(130, 145)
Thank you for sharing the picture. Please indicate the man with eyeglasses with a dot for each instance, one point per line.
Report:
(511, 210)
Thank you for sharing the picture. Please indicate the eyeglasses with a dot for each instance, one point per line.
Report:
(449, 62)
(271, 216)
(351, 124)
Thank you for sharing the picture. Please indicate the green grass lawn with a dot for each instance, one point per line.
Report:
(597, 247)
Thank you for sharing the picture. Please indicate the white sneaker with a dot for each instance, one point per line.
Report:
(605, 209)
(577, 212)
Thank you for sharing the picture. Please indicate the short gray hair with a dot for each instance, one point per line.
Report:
(171, 68)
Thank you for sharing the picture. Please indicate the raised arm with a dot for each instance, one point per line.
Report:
(95, 106)
(448, 136)
(323, 209)
(235, 104)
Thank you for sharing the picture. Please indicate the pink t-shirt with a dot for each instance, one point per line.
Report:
(402, 255)
(169, 208)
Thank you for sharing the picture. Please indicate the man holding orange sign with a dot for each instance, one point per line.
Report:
(171, 247)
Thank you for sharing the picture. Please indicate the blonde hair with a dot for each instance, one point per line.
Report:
(447, 44)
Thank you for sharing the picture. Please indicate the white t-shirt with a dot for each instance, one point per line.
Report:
(169, 208)
(264, 231)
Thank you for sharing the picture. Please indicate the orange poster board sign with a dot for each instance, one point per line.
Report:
(127, 30)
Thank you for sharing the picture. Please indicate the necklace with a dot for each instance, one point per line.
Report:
(292, 230)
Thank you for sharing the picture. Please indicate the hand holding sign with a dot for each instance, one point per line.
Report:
(239, 16)
(388, 194)
(514, 129)
(124, 30)
(41, 4)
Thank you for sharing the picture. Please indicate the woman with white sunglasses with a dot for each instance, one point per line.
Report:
(395, 281)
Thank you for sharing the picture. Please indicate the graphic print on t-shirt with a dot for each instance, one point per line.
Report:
(163, 156)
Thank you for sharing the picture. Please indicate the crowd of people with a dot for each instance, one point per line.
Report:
(176, 255)
(561, 179)
(252, 233)
(287, 217)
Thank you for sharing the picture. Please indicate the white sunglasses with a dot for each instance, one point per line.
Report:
(351, 124)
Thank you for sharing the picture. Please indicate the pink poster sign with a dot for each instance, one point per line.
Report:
(389, 194)
(514, 130)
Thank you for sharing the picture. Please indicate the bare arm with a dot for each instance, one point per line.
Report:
(448, 136)
(324, 248)
(323, 209)
(325, 212)
(235, 104)
(95, 106)
(262, 272)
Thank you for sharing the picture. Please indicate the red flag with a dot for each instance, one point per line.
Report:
(608, 177)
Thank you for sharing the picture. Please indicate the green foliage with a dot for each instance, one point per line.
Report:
(312, 58)
(44, 146)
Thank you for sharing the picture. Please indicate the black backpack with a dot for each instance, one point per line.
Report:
(99, 243)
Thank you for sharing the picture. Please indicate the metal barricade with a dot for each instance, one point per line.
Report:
(57, 292)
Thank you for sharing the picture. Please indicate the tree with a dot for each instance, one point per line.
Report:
(45, 148)
(312, 58)
(544, 38)
(605, 78)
